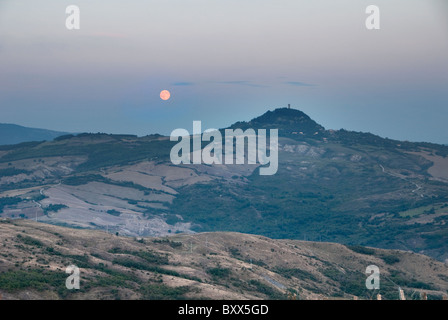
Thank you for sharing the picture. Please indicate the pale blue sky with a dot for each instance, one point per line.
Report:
(224, 61)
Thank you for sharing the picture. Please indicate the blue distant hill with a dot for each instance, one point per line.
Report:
(12, 134)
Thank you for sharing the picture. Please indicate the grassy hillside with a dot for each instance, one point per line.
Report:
(201, 266)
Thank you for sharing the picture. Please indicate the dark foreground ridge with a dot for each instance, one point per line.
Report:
(219, 265)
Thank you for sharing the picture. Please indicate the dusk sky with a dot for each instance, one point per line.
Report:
(225, 61)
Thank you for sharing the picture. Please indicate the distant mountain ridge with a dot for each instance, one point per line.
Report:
(13, 134)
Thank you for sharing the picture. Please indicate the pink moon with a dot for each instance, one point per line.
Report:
(165, 95)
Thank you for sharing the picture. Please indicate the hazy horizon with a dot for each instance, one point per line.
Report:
(225, 61)
(190, 131)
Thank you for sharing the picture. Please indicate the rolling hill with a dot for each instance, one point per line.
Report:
(339, 186)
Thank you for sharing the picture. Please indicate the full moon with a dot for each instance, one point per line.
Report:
(165, 95)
